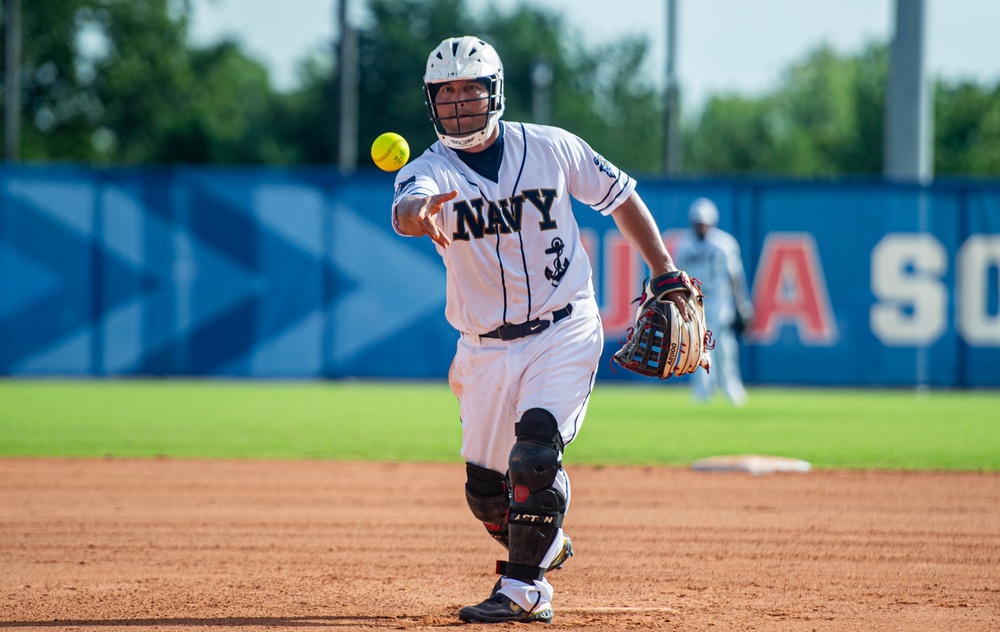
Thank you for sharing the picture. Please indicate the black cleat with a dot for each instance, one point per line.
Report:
(500, 609)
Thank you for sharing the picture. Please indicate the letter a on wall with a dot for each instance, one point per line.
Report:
(790, 289)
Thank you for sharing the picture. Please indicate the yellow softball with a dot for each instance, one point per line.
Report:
(390, 151)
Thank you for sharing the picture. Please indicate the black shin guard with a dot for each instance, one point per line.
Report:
(488, 496)
(537, 507)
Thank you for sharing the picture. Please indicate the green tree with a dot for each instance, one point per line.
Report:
(824, 119)
(305, 119)
(967, 129)
(166, 102)
(59, 108)
(115, 81)
(224, 116)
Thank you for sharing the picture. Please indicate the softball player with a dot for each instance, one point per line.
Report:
(713, 256)
(495, 198)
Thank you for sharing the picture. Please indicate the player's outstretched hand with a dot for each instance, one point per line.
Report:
(415, 216)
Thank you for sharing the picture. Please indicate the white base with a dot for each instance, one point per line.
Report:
(752, 463)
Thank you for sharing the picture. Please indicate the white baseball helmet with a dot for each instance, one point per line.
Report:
(459, 58)
(704, 211)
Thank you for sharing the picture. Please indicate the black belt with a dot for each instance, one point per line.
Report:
(530, 328)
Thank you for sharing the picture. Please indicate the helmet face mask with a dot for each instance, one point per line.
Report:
(459, 124)
(458, 120)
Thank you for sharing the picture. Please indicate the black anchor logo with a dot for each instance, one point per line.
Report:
(560, 264)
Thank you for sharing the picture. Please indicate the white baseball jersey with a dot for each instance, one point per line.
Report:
(715, 261)
(516, 241)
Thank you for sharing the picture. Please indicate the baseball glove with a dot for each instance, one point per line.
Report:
(662, 343)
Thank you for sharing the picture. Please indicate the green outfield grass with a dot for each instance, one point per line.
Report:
(418, 421)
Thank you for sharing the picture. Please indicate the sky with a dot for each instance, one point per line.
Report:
(723, 46)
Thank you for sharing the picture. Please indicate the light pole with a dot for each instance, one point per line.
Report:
(671, 139)
(347, 93)
(908, 152)
(541, 94)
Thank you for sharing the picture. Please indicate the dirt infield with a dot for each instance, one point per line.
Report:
(249, 545)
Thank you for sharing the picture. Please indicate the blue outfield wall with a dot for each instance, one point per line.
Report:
(297, 273)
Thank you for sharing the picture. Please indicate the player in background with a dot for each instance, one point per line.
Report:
(495, 197)
(712, 255)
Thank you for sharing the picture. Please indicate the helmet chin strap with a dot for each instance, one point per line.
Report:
(470, 140)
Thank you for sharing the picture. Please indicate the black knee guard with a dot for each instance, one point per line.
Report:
(488, 496)
(537, 508)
